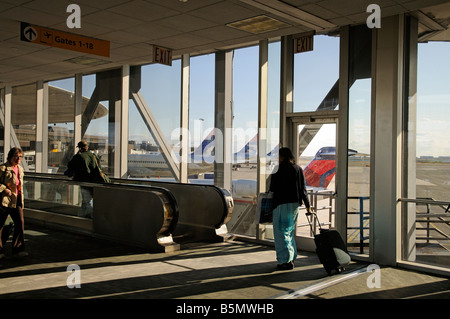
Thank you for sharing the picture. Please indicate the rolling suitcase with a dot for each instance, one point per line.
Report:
(330, 247)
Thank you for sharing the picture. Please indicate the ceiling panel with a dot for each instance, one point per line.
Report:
(196, 26)
(143, 10)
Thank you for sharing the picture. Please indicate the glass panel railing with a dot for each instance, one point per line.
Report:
(59, 196)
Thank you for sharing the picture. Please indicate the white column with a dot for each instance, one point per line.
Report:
(342, 136)
(387, 141)
(223, 119)
(184, 120)
(409, 142)
(122, 120)
(262, 114)
(78, 111)
(41, 127)
(7, 133)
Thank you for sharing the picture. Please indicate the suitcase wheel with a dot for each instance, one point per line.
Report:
(335, 271)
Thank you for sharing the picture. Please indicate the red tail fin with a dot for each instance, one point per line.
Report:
(321, 170)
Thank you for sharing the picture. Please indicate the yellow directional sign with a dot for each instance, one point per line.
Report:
(63, 40)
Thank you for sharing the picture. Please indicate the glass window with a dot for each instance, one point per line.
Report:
(23, 123)
(95, 119)
(201, 114)
(432, 153)
(359, 124)
(316, 75)
(433, 121)
(61, 106)
(245, 112)
(161, 91)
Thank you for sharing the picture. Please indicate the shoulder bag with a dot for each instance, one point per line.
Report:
(264, 208)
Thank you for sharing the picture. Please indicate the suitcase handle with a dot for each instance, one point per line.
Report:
(313, 219)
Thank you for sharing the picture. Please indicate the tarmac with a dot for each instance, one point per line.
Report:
(64, 265)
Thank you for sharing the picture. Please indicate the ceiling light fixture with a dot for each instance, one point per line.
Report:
(258, 24)
(84, 60)
(290, 13)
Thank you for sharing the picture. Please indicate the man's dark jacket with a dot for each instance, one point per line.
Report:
(83, 165)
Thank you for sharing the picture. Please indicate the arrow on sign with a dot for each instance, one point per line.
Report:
(29, 33)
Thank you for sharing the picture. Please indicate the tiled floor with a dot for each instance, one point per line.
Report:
(232, 270)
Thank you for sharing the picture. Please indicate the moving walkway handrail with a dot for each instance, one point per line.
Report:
(170, 219)
(226, 198)
(210, 213)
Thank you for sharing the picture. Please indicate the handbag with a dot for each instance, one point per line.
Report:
(99, 176)
(264, 208)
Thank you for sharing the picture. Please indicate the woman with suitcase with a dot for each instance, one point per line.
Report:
(289, 193)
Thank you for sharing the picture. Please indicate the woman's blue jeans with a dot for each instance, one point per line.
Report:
(284, 223)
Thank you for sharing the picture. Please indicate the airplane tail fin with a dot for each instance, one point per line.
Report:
(321, 170)
(248, 152)
(206, 147)
(273, 154)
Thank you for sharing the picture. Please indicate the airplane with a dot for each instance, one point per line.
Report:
(145, 164)
(319, 172)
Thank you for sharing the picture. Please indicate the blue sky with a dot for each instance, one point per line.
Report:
(433, 99)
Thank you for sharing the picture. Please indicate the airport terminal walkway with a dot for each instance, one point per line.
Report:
(230, 270)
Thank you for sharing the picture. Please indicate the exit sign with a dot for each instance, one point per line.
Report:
(304, 44)
(162, 55)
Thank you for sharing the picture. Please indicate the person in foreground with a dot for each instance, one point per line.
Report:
(12, 200)
(289, 193)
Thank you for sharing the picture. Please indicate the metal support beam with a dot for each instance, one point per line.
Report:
(409, 140)
(157, 134)
(223, 119)
(287, 91)
(88, 113)
(262, 115)
(41, 127)
(342, 132)
(122, 150)
(386, 141)
(7, 121)
(184, 120)
(78, 135)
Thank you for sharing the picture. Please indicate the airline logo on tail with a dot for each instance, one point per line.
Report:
(321, 170)
(205, 151)
(248, 153)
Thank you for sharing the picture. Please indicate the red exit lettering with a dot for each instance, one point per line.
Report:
(162, 55)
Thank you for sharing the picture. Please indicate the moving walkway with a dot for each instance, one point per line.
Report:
(154, 215)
